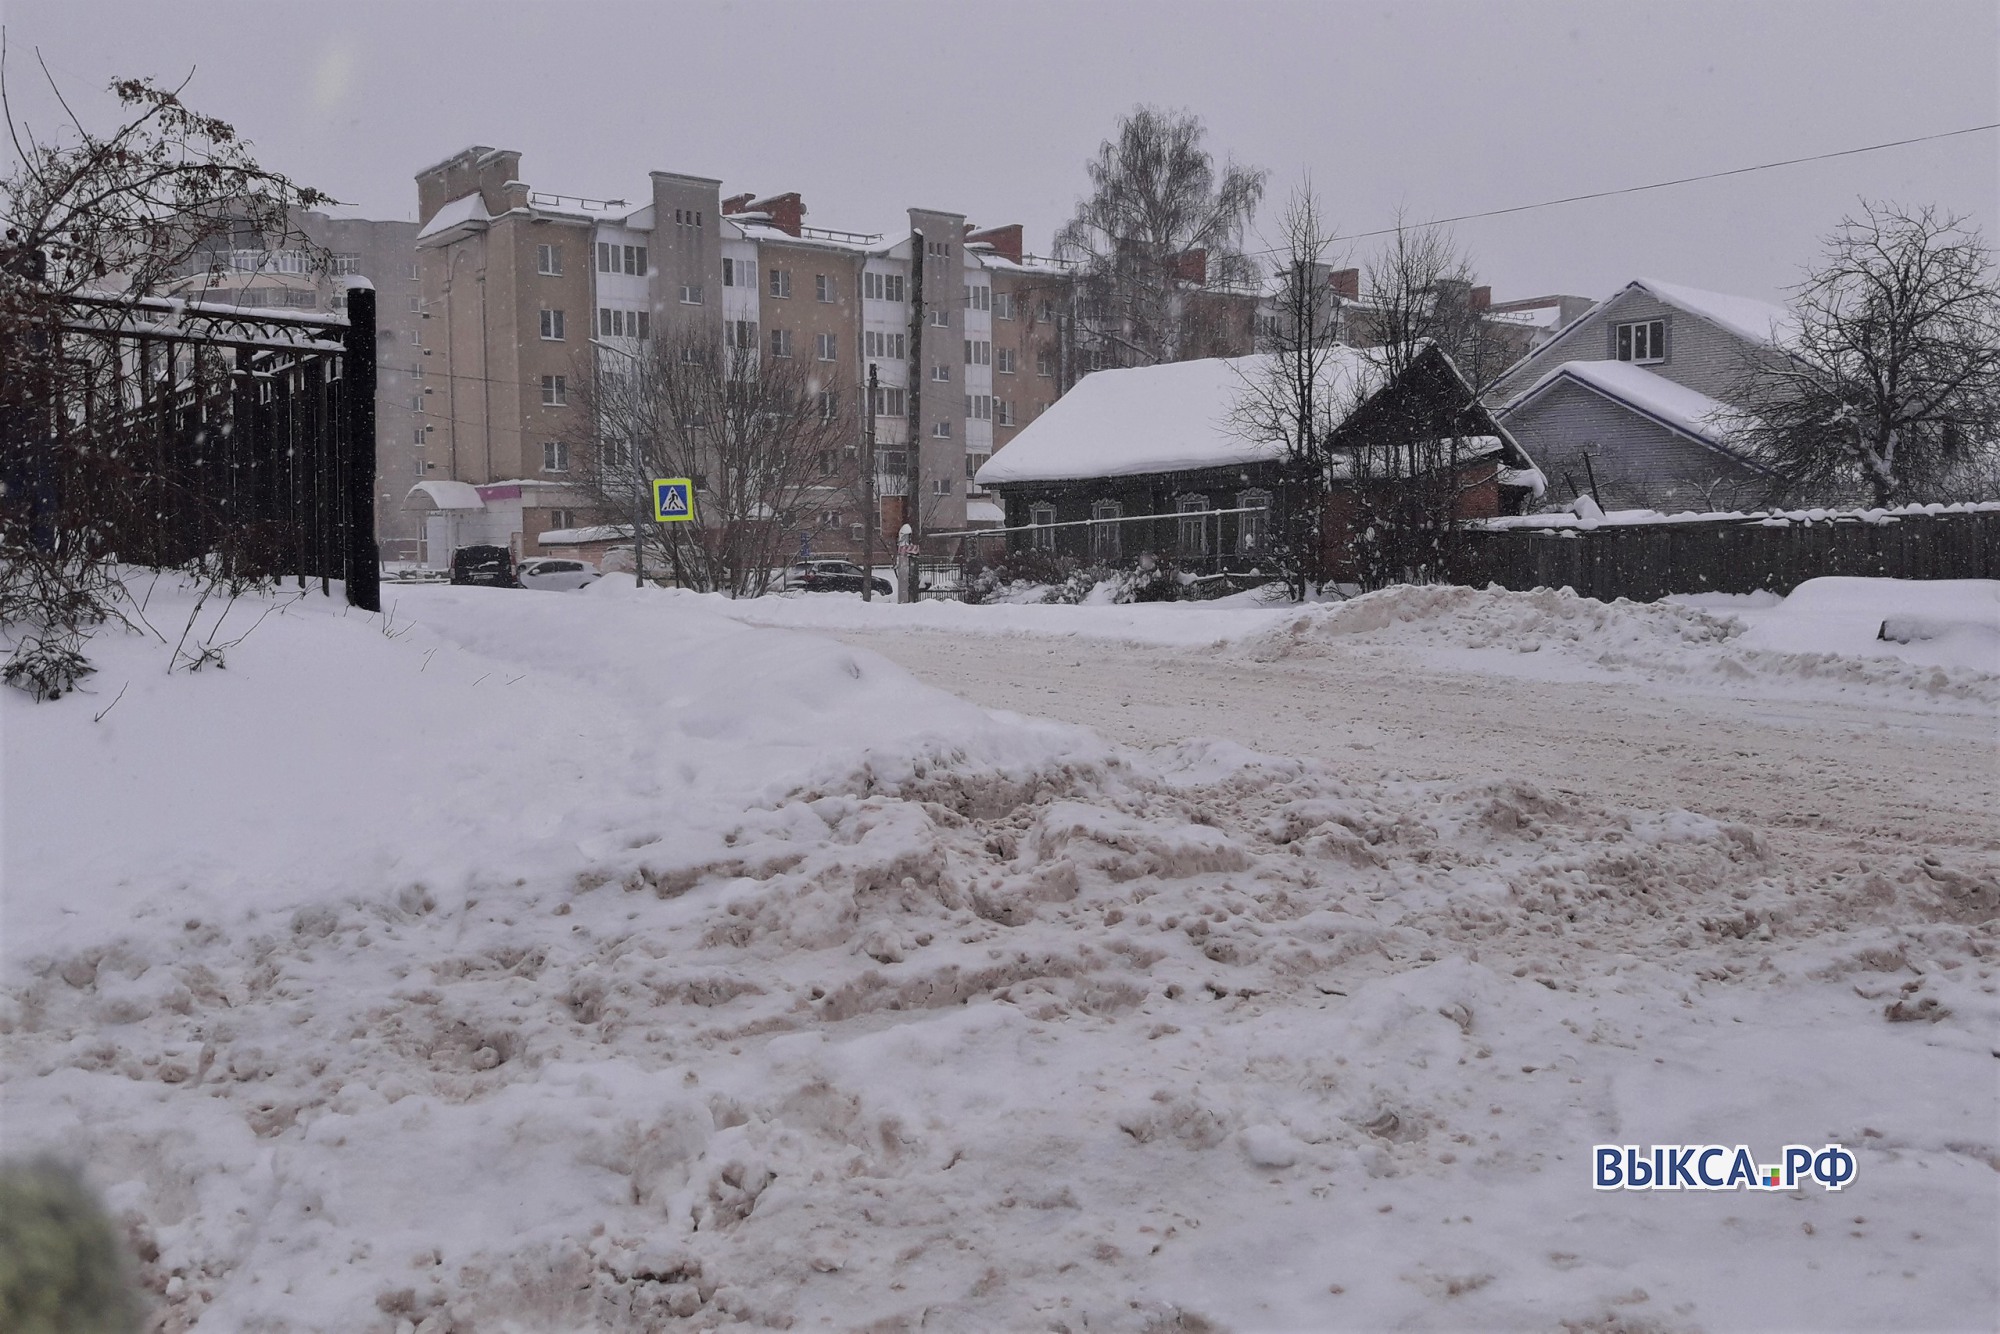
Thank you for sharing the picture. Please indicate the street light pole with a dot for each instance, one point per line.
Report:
(871, 518)
(632, 461)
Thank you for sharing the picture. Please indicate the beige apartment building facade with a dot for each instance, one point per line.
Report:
(525, 293)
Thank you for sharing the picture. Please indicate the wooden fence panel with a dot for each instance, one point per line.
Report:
(1645, 562)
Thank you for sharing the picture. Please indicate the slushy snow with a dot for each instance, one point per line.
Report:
(537, 961)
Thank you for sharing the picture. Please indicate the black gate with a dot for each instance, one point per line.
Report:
(237, 436)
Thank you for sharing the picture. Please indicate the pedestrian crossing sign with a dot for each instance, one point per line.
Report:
(673, 500)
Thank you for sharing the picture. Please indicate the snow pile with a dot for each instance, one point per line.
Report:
(688, 974)
(1822, 638)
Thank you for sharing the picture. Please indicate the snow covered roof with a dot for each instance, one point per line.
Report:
(443, 495)
(1674, 406)
(465, 214)
(603, 532)
(1746, 317)
(984, 511)
(1147, 419)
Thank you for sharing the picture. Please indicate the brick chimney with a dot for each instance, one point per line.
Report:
(1346, 284)
(787, 211)
(1006, 241)
(736, 203)
(1482, 297)
(1191, 266)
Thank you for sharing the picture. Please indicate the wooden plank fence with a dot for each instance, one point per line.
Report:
(1736, 554)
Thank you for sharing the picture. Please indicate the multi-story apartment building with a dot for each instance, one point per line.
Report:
(244, 268)
(527, 293)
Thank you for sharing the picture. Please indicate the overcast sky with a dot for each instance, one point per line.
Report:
(1432, 107)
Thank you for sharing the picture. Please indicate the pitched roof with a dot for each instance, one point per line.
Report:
(1149, 419)
(1746, 317)
(1682, 410)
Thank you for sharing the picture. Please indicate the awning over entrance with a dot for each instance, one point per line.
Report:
(443, 495)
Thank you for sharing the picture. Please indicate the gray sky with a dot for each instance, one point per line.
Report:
(1429, 106)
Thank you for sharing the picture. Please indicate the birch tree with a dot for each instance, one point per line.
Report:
(1160, 225)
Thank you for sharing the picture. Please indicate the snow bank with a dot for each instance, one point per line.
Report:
(597, 962)
(1823, 638)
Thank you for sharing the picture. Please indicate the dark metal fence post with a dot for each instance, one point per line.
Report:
(357, 382)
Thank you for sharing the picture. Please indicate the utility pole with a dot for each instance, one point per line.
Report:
(906, 579)
(871, 517)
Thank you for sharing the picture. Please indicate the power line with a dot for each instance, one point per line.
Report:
(1660, 185)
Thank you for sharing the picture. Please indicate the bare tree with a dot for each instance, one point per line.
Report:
(112, 216)
(764, 441)
(1410, 456)
(1891, 382)
(1159, 227)
(1294, 395)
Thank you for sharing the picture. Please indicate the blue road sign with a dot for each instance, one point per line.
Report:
(673, 500)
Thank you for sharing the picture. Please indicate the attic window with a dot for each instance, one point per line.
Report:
(1642, 341)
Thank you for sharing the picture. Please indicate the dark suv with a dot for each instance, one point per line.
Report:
(491, 566)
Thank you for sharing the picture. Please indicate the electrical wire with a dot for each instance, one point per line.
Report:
(1654, 185)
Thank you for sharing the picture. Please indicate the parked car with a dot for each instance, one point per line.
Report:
(832, 576)
(491, 566)
(555, 572)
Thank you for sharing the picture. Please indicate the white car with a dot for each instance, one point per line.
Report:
(555, 573)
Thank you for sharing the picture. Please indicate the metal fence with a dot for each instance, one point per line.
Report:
(1737, 553)
(211, 432)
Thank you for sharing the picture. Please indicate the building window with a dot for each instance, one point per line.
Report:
(938, 249)
(552, 325)
(824, 346)
(979, 407)
(740, 334)
(941, 431)
(1252, 529)
(882, 286)
(548, 260)
(1003, 412)
(555, 457)
(885, 346)
(417, 433)
(857, 533)
(781, 282)
(781, 342)
(635, 260)
(940, 318)
(687, 217)
(829, 410)
(345, 264)
(823, 287)
(739, 273)
(1003, 360)
(690, 294)
(1043, 516)
(1645, 340)
(978, 297)
(1193, 525)
(1104, 536)
(1003, 305)
(941, 374)
(888, 401)
(1045, 362)
(555, 391)
(940, 486)
(561, 519)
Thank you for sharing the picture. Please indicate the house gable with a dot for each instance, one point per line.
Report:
(1642, 459)
(1709, 345)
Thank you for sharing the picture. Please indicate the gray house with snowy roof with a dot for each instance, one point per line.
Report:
(1643, 392)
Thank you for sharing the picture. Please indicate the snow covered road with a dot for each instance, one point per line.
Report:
(1820, 772)
(546, 962)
